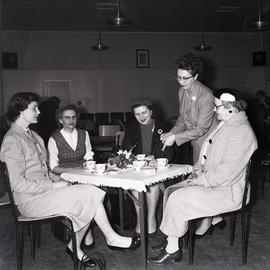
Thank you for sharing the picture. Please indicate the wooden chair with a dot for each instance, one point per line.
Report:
(233, 214)
(34, 225)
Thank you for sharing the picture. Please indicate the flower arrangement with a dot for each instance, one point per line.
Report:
(124, 158)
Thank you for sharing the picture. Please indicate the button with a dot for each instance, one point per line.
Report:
(204, 156)
(210, 141)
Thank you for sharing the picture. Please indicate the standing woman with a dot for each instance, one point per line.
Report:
(218, 182)
(36, 194)
(196, 107)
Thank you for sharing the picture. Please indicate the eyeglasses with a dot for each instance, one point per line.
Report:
(217, 106)
(178, 78)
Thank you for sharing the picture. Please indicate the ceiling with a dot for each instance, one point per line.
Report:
(147, 15)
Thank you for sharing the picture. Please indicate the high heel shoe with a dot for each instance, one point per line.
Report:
(85, 260)
(165, 257)
(135, 243)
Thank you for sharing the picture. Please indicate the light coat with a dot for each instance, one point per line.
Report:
(219, 188)
(32, 185)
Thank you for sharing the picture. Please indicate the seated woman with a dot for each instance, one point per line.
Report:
(36, 194)
(218, 181)
(69, 148)
(144, 135)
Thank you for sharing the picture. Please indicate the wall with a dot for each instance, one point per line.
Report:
(109, 80)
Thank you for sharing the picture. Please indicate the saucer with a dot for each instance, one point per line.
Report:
(95, 173)
(89, 170)
(164, 167)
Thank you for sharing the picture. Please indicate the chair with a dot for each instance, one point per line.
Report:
(233, 214)
(34, 226)
(119, 136)
(266, 169)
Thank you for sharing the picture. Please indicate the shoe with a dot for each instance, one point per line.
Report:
(85, 260)
(160, 247)
(221, 225)
(87, 247)
(165, 257)
(135, 243)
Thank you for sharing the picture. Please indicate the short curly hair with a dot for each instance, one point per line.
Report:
(191, 63)
(67, 107)
(19, 102)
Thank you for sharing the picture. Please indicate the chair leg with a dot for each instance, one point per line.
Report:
(33, 240)
(38, 235)
(74, 248)
(191, 225)
(232, 228)
(244, 237)
(19, 245)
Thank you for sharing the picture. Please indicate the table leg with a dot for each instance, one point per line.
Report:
(142, 228)
(121, 210)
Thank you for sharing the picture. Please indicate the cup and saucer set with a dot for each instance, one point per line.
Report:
(96, 169)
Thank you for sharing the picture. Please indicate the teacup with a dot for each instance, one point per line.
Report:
(162, 162)
(89, 165)
(141, 156)
(100, 168)
(138, 164)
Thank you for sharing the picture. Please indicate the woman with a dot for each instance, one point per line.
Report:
(36, 194)
(217, 184)
(143, 135)
(196, 107)
(69, 148)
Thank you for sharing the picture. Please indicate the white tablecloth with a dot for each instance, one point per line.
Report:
(130, 179)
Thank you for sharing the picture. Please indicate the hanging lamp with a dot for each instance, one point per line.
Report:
(119, 21)
(202, 46)
(259, 24)
(99, 46)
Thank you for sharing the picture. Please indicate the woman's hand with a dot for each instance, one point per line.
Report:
(60, 184)
(167, 139)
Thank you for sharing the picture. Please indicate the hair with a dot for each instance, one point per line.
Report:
(55, 99)
(67, 107)
(240, 104)
(19, 102)
(191, 63)
(139, 104)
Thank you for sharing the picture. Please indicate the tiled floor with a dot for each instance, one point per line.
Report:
(211, 252)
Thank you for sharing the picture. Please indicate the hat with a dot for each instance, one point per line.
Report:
(228, 94)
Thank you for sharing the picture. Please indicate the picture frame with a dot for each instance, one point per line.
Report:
(142, 58)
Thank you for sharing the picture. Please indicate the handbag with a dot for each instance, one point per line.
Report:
(61, 232)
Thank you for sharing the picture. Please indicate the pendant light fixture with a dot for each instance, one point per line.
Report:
(259, 24)
(202, 46)
(99, 46)
(119, 21)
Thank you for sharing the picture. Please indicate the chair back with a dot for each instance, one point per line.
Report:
(15, 212)
(119, 136)
(245, 194)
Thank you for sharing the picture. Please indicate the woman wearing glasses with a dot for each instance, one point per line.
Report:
(196, 107)
(217, 184)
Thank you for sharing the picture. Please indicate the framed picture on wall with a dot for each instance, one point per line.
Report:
(142, 58)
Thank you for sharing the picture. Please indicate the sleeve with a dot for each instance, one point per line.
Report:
(53, 154)
(89, 153)
(203, 123)
(12, 154)
(240, 146)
